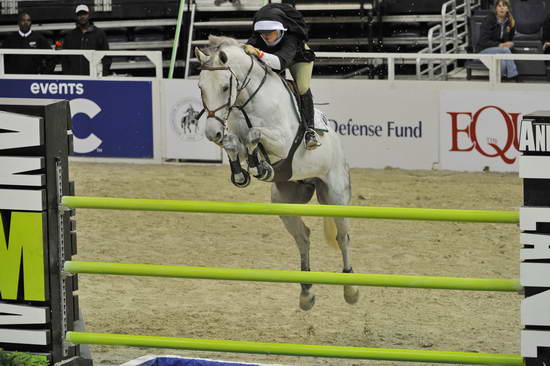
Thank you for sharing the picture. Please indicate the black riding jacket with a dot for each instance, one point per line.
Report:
(93, 39)
(27, 64)
(291, 48)
(492, 33)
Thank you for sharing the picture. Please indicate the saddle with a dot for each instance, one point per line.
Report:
(320, 120)
(282, 169)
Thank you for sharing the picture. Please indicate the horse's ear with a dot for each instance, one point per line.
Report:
(223, 57)
(203, 57)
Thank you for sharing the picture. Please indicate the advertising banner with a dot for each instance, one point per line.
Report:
(184, 133)
(381, 125)
(111, 119)
(479, 129)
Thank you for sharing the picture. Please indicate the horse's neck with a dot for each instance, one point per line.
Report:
(272, 105)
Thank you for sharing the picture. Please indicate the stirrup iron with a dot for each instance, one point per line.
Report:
(311, 139)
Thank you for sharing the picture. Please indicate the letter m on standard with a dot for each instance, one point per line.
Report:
(23, 247)
(22, 224)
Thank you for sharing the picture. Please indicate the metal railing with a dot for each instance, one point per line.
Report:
(94, 58)
(490, 61)
(190, 40)
(449, 37)
(390, 59)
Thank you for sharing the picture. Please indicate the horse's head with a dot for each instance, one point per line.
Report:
(220, 82)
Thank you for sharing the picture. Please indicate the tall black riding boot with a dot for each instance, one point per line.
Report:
(311, 138)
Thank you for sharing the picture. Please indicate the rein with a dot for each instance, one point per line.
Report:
(211, 113)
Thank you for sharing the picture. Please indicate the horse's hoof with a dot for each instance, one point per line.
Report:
(307, 301)
(351, 294)
(265, 171)
(245, 181)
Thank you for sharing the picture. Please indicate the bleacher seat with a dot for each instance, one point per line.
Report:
(475, 29)
(530, 16)
(413, 7)
(151, 35)
(114, 37)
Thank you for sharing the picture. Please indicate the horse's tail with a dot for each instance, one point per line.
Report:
(330, 232)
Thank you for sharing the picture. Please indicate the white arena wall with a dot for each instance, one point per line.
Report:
(452, 125)
(409, 124)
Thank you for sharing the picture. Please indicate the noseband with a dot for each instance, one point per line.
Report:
(211, 113)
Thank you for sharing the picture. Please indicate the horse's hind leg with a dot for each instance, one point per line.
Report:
(292, 192)
(327, 194)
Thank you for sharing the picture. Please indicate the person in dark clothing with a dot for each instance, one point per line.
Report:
(279, 40)
(85, 36)
(496, 35)
(25, 38)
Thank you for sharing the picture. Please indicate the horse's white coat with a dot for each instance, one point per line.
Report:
(275, 124)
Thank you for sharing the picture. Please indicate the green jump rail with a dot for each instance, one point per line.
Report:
(295, 349)
(258, 208)
(263, 275)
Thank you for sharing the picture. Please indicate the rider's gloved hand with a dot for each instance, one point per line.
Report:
(251, 50)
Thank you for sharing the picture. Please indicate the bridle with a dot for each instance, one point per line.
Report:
(211, 113)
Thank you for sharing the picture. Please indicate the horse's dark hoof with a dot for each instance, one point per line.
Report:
(266, 172)
(243, 184)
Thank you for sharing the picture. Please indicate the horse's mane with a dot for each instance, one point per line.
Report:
(215, 43)
(220, 41)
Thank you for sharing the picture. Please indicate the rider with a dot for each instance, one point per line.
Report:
(279, 40)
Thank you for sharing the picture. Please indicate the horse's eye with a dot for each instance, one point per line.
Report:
(225, 88)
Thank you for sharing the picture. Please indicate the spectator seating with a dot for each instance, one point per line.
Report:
(475, 28)
(530, 16)
(413, 7)
(335, 25)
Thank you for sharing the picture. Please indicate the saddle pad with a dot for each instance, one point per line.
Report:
(321, 121)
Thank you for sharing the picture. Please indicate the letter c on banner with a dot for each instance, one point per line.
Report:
(91, 109)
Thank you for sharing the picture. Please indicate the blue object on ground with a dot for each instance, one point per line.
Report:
(172, 361)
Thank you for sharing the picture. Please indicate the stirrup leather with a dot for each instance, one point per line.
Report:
(311, 139)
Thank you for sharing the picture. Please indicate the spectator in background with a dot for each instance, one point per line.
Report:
(25, 38)
(85, 36)
(496, 35)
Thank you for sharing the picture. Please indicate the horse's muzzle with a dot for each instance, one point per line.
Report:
(215, 136)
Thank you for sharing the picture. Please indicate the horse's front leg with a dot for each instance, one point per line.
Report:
(273, 143)
(239, 176)
(260, 169)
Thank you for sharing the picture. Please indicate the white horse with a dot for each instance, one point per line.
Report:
(253, 116)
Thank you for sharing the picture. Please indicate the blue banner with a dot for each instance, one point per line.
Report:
(110, 118)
